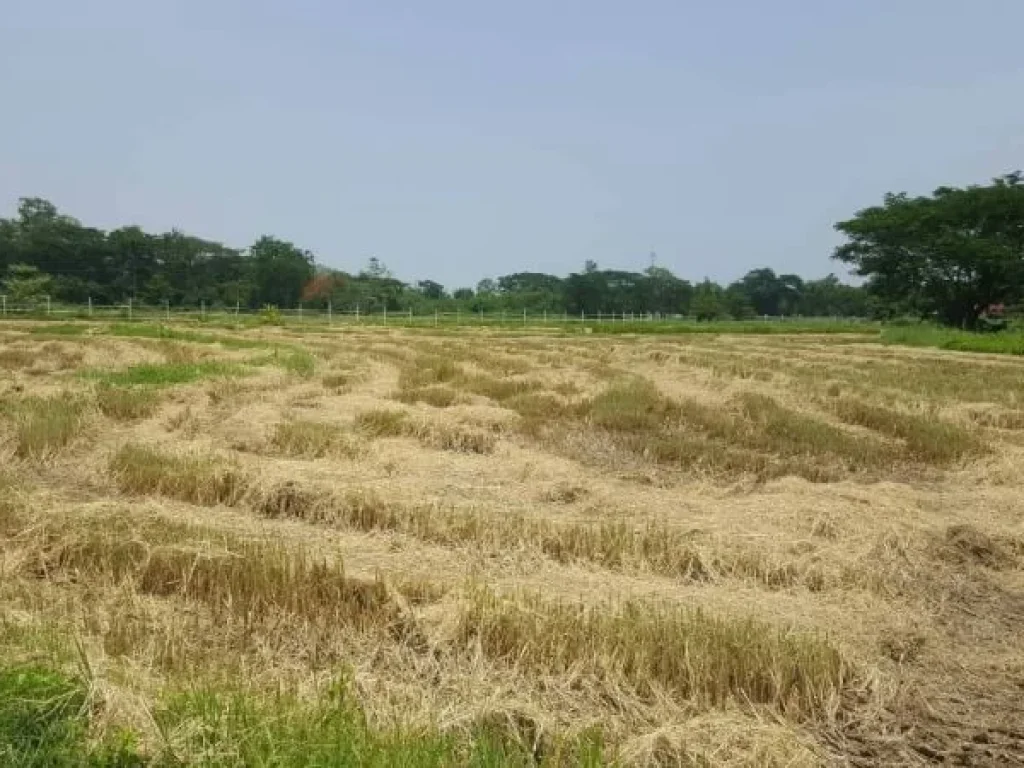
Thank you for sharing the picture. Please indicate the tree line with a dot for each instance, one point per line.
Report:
(956, 256)
(44, 253)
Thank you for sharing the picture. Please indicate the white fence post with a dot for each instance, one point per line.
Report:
(202, 309)
(129, 307)
(47, 305)
(435, 317)
(90, 306)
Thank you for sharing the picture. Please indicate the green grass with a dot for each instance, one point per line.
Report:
(163, 374)
(63, 329)
(240, 730)
(773, 326)
(46, 722)
(158, 331)
(298, 361)
(1009, 342)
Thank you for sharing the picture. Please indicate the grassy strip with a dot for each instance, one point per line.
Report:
(1009, 342)
(163, 374)
(195, 479)
(383, 422)
(697, 657)
(46, 722)
(314, 440)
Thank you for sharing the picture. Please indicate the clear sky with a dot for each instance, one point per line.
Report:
(459, 139)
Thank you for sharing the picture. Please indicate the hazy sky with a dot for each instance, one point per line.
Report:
(459, 139)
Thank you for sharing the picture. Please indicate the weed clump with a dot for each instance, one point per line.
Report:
(45, 426)
(142, 470)
(314, 440)
(125, 403)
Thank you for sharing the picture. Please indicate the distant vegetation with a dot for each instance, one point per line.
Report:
(44, 253)
(955, 257)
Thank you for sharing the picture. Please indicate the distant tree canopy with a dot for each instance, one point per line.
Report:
(949, 256)
(44, 253)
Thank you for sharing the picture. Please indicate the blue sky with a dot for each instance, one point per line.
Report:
(459, 139)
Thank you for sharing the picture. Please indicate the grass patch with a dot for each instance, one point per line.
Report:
(297, 361)
(164, 375)
(338, 382)
(44, 721)
(15, 358)
(247, 579)
(125, 403)
(61, 329)
(289, 732)
(1009, 342)
(428, 370)
(159, 331)
(45, 426)
(691, 655)
(751, 434)
(926, 437)
(141, 470)
(382, 422)
(633, 406)
(314, 440)
(439, 396)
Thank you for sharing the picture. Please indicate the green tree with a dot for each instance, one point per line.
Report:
(25, 284)
(431, 290)
(949, 255)
(708, 301)
(280, 271)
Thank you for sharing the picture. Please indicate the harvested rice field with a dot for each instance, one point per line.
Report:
(315, 546)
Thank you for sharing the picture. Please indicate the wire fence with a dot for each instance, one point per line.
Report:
(130, 311)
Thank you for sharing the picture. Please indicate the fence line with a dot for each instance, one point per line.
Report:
(131, 311)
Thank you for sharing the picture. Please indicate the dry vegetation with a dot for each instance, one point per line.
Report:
(373, 547)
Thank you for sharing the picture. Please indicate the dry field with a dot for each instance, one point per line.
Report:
(525, 549)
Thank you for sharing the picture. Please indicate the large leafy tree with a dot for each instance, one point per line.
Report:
(949, 255)
(280, 271)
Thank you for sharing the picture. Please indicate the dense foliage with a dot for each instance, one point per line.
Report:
(44, 253)
(956, 256)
